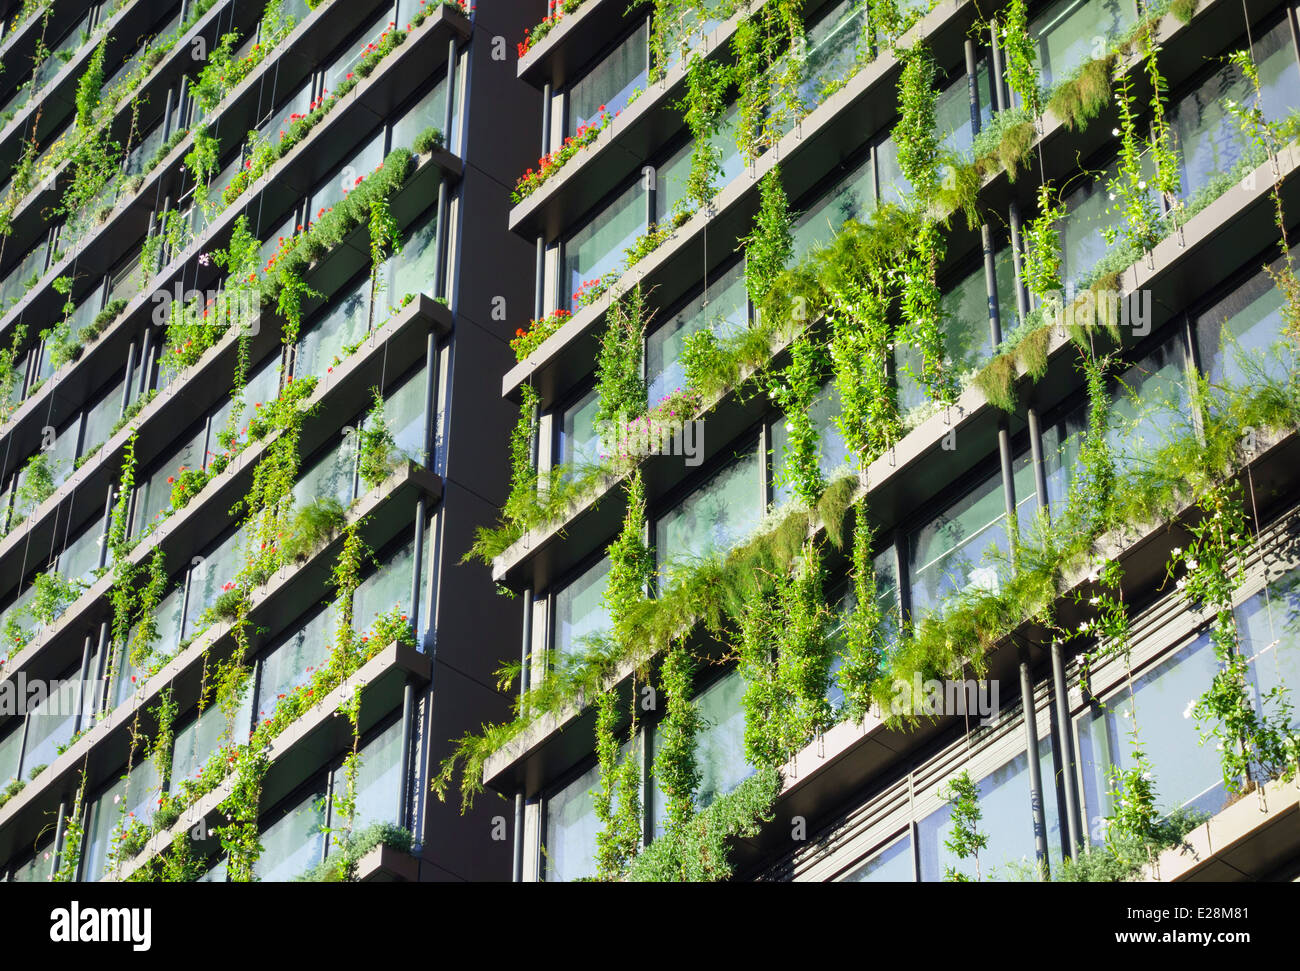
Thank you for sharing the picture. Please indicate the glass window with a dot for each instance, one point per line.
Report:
(1008, 822)
(37, 868)
(378, 778)
(1238, 337)
(1071, 32)
(957, 551)
(154, 498)
(723, 310)
(208, 579)
(50, 724)
(579, 443)
(569, 852)
(720, 513)
(1088, 211)
(580, 612)
(344, 322)
(835, 45)
(295, 842)
(428, 112)
(210, 731)
(299, 103)
(290, 663)
(388, 588)
(852, 197)
(1187, 773)
(1268, 625)
(719, 746)
(168, 620)
(414, 269)
(333, 190)
(10, 752)
(1062, 442)
(352, 53)
(1150, 407)
(404, 415)
(968, 339)
(883, 563)
(597, 248)
(890, 865)
(80, 558)
(330, 477)
(130, 799)
(609, 85)
(100, 419)
(833, 457)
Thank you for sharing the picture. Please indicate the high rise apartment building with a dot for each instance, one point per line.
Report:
(252, 319)
(1027, 415)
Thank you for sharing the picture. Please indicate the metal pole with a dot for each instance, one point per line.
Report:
(1062, 700)
(1035, 770)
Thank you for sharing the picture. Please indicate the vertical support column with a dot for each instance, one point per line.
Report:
(448, 111)
(404, 782)
(525, 651)
(441, 245)
(1062, 701)
(539, 281)
(1017, 263)
(1035, 771)
(991, 285)
(972, 93)
(546, 117)
(1000, 99)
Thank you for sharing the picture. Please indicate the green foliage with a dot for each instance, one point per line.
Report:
(1042, 253)
(341, 865)
(675, 767)
(1083, 97)
(866, 629)
(377, 447)
(618, 797)
(429, 140)
(769, 246)
(706, 89)
(313, 524)
(965, 839)
(699, 852)
(1020, 53)
(620, 388)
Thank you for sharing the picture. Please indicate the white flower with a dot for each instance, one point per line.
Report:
(1142, 185)
(1094, 601)
(789, 426)
(1175, 551)
(1191, 705)
(1192, 564)
(1115, 131)
(1146, 776)
(1112, 197)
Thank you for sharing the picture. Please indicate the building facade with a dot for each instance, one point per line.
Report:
(253, 317)
(950, 426)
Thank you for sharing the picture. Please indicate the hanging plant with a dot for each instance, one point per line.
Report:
(1020, 53)
(620, 389)
(1042, 255)
(965, 839)
(377, 448)
(618, 797)
(794, 393)
(769, 247)
(675, 766)
(707, 83)
(1254, 744)
(866, 627)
